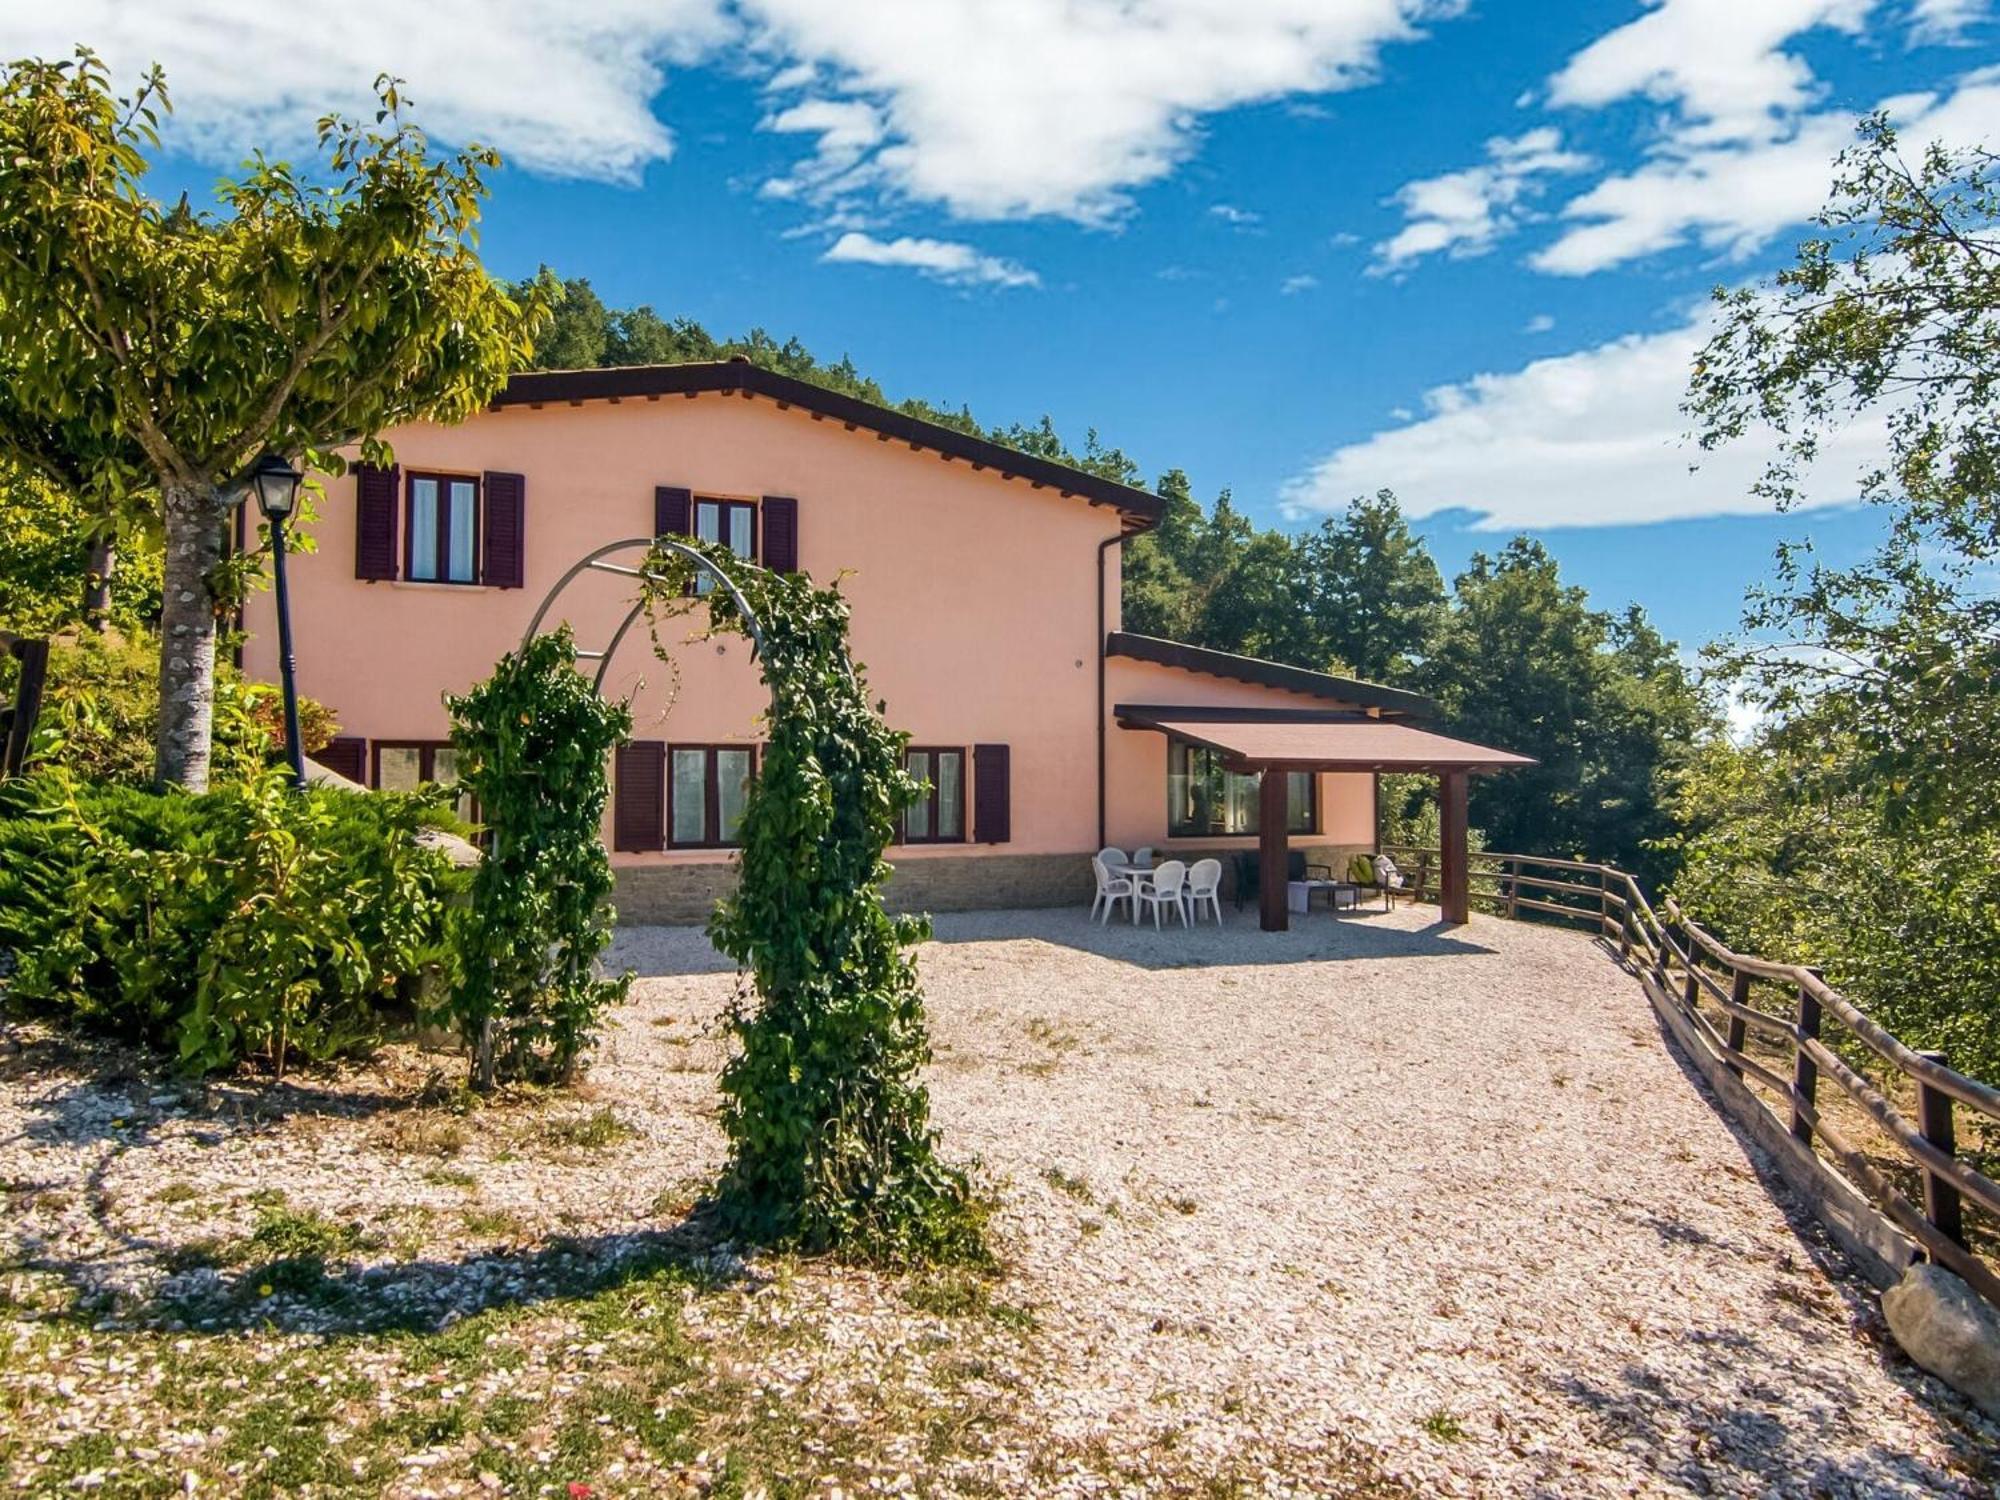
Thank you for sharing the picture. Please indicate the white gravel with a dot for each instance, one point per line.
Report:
(1368, 1196)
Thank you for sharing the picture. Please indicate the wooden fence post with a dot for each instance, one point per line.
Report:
(1513, 890)
(1691, 986)
(1739, 993)
(1805, 1072)
(1941, 1201)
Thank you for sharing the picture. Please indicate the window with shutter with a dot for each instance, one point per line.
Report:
(375, 493)
(673, 511)
(639, 796)
(992, 795)
(781, 533)
(505, 564)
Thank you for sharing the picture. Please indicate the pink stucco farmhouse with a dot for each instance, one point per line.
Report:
(985, 592)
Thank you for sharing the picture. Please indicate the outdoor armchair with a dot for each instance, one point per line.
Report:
(1113, 886)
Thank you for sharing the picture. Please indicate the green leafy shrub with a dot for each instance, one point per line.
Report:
(101, 711)
(251, 921)
(830, 1140)
(533, 742)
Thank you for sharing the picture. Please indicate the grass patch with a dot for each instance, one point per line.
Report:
(962, 1294)
(1069, 1186)
(423, 1133)
(591, 1132)
(450, 1177)
(493, 1223)
(1444, 1426)
(1057, 1041)
(177, 1191)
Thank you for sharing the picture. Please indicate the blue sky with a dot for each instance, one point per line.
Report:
(1301, 248)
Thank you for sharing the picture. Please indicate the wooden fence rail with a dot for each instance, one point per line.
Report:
(1689, 973)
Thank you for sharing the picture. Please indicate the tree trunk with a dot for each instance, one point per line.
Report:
(97, 572)
(194, 533)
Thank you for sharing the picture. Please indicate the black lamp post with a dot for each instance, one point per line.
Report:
(277, 484)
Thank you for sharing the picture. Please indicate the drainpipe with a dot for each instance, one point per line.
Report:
(1102, 600)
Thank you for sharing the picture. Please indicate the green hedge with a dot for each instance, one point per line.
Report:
(251, 921)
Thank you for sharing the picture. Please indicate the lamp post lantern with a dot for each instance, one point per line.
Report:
(277, 486)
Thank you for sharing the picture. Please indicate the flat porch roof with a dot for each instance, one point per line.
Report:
(1311, 740)
(1273, 741)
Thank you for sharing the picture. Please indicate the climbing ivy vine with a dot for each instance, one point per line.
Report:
(533, 741)
(831, 1146)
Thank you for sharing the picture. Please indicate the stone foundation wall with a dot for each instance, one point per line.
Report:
(684, 894)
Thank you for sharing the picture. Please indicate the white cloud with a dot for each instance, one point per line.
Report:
(559, 88)
(1539, 323)
(1004, 109)
(848, 129)
(1944, 22)
(1240, 218)
(991, 109)
(1464, 213)
(1721, 62)
(1291, 286)
(1734, 198)
(1593, 438)
(942, 260)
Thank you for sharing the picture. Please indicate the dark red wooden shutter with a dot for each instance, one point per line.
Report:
(639, 815)
(375, 492)
(505, 522)
(992, 795)
(346, 754)
(673, 511)
(781, 534)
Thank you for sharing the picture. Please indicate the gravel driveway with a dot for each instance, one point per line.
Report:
(1444, 1197)
(1366, 1208)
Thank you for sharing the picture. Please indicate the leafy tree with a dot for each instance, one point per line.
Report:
(317, 312)
(48, 539)
(1602, 703)
(1873, 784)
(1369, 599)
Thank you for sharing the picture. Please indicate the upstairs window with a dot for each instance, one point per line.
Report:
(940, 817)
(442, 529)
(1206, 799)
(733, 523)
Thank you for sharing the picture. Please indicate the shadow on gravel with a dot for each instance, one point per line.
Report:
(308, 1295)
(1316, 937)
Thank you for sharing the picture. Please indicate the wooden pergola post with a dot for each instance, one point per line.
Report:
(1454, 886)
(1272, 847)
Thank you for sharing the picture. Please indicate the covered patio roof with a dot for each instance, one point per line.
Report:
(1310, 740)
(1273, 741)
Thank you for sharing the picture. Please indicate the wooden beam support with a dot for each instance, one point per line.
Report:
(1454, 889)
(1272, 846)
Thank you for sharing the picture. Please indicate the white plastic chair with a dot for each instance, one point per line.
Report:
(1112, 887)
(1114, 858)
(1143, 857)
(1169, 878)
(1205, 885)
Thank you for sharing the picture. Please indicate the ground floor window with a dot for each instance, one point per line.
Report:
(707, 787)
(405, 765)
(1205, 798)
(940, 817)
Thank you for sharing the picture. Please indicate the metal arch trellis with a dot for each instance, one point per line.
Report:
(593, 562)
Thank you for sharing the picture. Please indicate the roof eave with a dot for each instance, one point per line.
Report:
(536, 388)
(1228, 665)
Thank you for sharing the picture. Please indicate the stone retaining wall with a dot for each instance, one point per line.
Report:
(684, 894)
